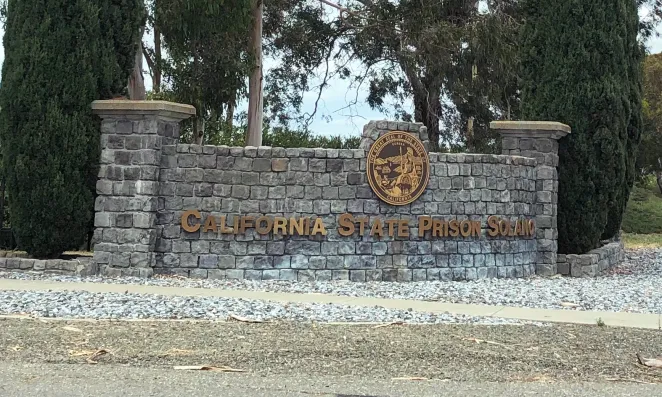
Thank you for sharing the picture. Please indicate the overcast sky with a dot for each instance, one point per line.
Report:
(334, 117)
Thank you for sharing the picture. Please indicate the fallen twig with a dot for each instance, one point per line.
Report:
(629, 380)
(389, 324)
(206, 368)
(489, 342)
(95, 355)
(650, 362)
(244, 319)
(177, 352)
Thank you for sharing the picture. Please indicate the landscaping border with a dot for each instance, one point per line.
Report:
(80, 266)
(594, 262)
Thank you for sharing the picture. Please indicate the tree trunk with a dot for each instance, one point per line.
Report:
(470, 135)
(198, 130)
(427, 110)
(2, 203)
(254, 130)
(229, 117)
(658, 176)
(156, 78)
(136, 80)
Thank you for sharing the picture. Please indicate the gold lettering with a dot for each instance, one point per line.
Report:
(362, 224)
(475, 228)
(377, 229)
(246, 222)
(280, 225)
(318, 227)
(210, 224)
(306, 227)
(346, 225)
(186, 225)
(532, 228)
(493, 224)
(391, 226)
(503, 227)
(424, 224)
(438, 228)
(296, 224)
(403, 228)
(454, 227)
(224, 228)
(267, 228)
(465, 228)
(235, 224)
(518, 228)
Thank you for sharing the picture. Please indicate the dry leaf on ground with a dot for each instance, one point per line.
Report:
(92, 354)
(410, 378)
(78, 353)
(489, 342)
(206, 368)
(243, 319)
(629, 380)
(389, 324)
(17, 348)
(72, 329)
(178, 352)
(538, 378)
(650, 362)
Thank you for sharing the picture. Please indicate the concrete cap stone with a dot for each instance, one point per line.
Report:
(115, 108)
(531, 129)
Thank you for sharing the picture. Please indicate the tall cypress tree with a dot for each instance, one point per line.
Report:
(635, 53)
(576, 70)
(58, 59)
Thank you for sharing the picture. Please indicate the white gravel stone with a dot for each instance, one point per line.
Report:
(81, 304)
(635, 286)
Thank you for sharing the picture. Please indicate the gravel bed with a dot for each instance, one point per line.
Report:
(634, 286)
(81, 304)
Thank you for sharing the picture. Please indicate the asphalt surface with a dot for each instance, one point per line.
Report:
(117, 358)
(72, 380)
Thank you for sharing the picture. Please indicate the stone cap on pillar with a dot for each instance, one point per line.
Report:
(114, 108)
(531, 129)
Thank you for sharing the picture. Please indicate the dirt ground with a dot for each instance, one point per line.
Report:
(453, 352)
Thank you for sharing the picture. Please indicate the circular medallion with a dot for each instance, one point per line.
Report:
(398, 168)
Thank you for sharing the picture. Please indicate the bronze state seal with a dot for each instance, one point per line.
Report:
(398, 168)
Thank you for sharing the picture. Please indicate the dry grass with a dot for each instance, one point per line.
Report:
(455, 352)
(637, 241)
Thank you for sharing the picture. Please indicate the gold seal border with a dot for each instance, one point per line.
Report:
(420, 148)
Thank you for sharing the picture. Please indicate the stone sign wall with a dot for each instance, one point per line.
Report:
(310, 214)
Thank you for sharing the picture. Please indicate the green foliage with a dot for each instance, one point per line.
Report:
(633, 80)
(644, 210)
(457, 63)
(577, 61)
(650, 149)
(58, 59)
(279, 137)
(207, 44)
(120, 22)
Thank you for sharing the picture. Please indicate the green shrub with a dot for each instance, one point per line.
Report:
(579, 60)
(60, 55)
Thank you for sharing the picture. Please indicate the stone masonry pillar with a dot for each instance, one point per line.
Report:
(132, 135)
(539, 140)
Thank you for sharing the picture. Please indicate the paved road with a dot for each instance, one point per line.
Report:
(62, 380)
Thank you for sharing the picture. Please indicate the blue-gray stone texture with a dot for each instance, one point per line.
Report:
(147, 180)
